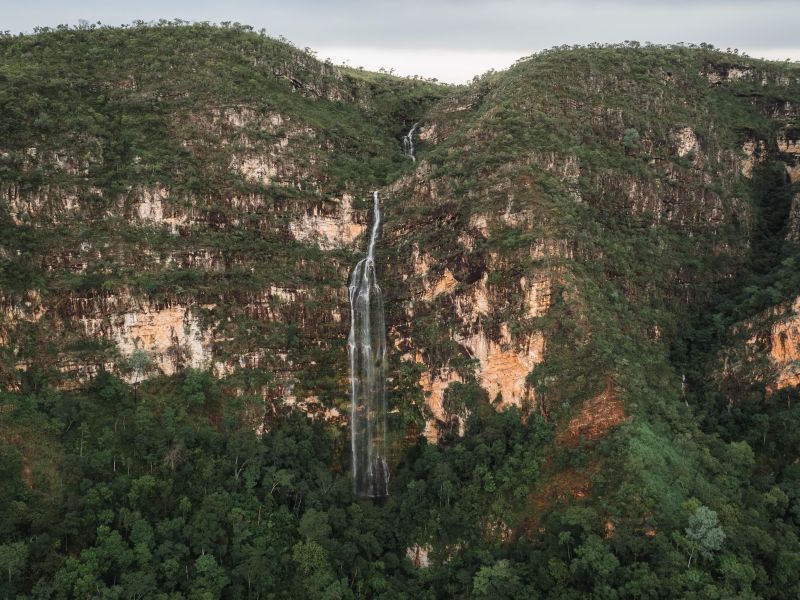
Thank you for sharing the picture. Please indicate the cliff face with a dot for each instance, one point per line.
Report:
(562, 225)
(554, 232)
(539, 218)
(205, 219)
(766, 351)
(187, 249)
(784, 348)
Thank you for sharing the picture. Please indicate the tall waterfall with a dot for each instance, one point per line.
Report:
(366, 347)
(408, 143)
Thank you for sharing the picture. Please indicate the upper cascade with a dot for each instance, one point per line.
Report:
(408, 143)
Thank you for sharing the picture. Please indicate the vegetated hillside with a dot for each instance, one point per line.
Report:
(194, 191)
(590, 392)
(601, 220)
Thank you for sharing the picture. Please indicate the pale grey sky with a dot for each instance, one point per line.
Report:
(453, 40)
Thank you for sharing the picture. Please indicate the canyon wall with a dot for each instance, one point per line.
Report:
(537, 230)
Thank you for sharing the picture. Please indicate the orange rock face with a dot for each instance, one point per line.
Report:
(504, 365)
(445, 285)
(338, 229)
(171, 334)
(434, 386)
(753, 151)
(595, 418)
(502, 371)
(790, 147)
(503, 358)
(785, 348)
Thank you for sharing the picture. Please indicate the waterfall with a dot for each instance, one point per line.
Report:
(408, 143)
(366, 347)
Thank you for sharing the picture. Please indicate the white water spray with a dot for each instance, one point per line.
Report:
(366, 347)
(408, 143)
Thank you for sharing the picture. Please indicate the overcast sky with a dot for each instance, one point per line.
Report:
(452, 40)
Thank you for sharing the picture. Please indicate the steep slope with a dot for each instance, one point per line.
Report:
(549, 189)
(578, 217)
(192, 192)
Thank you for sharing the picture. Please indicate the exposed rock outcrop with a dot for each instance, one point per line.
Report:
(784, 344)
(597, 416)
(686, 142)
(172, 335)
(434, 384)
(755, 153)
(332, 229)
(419, 556)
(788, 143)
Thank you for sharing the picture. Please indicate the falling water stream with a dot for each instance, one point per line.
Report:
(366, 347)
(408, 143)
